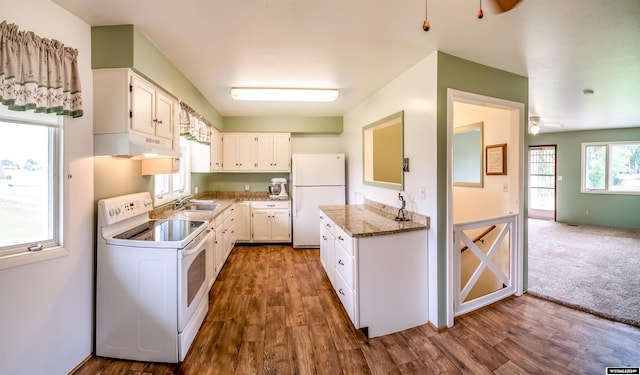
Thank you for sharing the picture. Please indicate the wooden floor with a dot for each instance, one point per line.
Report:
(273, 312)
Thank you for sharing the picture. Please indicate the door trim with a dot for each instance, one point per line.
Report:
(517, 125)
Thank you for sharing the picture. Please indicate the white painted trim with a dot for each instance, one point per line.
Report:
(27, 257)
(487, 101)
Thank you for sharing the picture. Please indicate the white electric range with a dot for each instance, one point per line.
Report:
(151, 281)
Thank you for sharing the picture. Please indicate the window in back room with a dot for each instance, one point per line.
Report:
(611, 167)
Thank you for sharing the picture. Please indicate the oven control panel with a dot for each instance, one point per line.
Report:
(113, 210)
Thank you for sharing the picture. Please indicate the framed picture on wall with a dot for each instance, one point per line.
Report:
(496, 159)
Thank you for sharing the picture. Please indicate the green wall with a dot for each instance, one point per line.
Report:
(293, 124)
(614, 210)
(125, 46)
(234, 181)
(464, 75)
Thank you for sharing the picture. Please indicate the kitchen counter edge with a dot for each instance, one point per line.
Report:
(367, 221)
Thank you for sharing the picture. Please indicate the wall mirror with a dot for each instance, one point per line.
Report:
(467, 155)
(383, 152)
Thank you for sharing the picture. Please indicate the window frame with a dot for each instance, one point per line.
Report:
(53, 247)
(185, 169)
(583, 168)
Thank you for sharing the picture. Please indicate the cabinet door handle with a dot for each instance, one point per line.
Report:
(324, 238)
(341, 292)
(340, 262)
(329, 225)
(340, 238)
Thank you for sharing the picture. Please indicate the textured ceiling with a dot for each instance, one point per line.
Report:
(358, 46)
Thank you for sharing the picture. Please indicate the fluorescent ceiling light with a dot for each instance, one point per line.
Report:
(284, 94)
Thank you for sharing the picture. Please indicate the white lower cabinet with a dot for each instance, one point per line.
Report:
(224, 227)
(381, 280)
(243, 221)
(271, 221)
(327, 243)
(229, 230)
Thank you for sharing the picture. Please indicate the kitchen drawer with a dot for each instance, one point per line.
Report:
(344, 240)
(344, 265)
(347, 298)
(323, 219)
(228, 212)
(270, 204)
(329, 225)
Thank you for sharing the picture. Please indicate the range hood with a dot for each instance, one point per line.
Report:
(131, 145)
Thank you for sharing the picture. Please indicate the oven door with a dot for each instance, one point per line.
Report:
(192, 277)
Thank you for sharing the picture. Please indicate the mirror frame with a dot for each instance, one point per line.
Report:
(368, 151)
(465, 129)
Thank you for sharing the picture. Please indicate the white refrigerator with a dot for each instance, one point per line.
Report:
(316, 180)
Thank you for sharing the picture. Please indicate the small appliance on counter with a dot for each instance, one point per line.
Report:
(277, 190)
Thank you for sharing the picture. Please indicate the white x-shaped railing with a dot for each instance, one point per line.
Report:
(507, 227)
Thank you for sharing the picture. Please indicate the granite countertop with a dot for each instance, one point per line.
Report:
(224, 198)
(366, 221)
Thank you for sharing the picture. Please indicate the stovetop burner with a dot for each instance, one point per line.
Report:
(161, 231)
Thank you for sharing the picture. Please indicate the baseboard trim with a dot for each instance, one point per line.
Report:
(84, 361)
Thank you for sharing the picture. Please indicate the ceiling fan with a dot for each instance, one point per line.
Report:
(506, 5)
(502, 5)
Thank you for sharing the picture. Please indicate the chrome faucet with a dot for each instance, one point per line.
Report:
(181, 202)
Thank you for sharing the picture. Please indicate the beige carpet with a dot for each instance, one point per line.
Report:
(595, 269)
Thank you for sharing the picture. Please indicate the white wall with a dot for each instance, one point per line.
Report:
(46, 307)
(471, 203)
(414, 92)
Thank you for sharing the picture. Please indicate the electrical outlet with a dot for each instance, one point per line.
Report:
(195, 190)
(247, 187)
(505, 187)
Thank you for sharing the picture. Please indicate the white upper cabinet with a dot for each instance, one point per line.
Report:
(256, 152)
(125, 104)
(152, 110)
(200, 157)
(238, 151)
(273, 152)
(216, 150)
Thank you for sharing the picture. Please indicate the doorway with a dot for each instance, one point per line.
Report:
(542, 182)
(484, 242)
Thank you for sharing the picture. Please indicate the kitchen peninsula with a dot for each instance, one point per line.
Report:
(377, 265)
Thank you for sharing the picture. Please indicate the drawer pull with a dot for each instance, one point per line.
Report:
(340, 262)
(324, 238)
(329, 225)
(340, 238)
(341, 292)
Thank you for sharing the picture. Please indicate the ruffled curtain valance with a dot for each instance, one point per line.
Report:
(38, 74)
(193, 126)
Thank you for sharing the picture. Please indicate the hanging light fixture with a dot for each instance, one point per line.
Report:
(480, 12)
(534, 125)
(425, 25)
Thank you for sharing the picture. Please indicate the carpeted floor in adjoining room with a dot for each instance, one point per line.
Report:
(592, 268)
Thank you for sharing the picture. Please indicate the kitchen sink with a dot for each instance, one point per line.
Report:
(201, 207)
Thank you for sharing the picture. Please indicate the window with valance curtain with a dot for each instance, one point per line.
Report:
(38, 74)
(193, 126)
